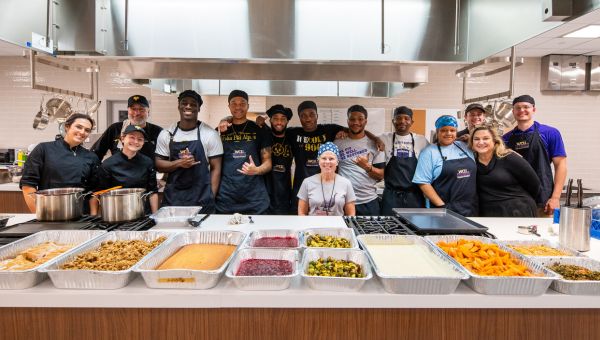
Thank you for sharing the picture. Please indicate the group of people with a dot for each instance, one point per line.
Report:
(246, 167)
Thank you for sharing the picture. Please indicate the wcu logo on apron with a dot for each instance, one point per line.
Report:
(521, 145)
(463, 173)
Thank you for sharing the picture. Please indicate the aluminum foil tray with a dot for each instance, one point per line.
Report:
(347, 233)
(547, 243)
(264, 282)
(443, 284)
(188, 278)
(257, 234)
(503, 285)
(29, 278)
(97, 279)
(174, 217)
(336, 283)
(573, 287)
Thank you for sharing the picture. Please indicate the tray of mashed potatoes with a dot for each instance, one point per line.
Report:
(106, 262)
(407, 264)
(192, 260)
(20, 260)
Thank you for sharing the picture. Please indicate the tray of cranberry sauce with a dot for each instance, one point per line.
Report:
(264, 268)
(275, 238)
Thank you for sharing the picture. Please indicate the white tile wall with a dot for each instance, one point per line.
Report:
(576, 115)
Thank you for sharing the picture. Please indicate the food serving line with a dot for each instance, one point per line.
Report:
(386, 313)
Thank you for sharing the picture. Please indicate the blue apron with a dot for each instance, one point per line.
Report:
(457, 185)
(400, 191)
(191, 186)
(239, 193)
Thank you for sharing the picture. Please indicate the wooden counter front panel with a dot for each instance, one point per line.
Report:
(288, 324)
(13, 202)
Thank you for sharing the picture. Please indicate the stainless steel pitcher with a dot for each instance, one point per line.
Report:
(575, 221)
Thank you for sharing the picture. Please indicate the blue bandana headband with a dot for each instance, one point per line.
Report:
(445, 121)
(329, 146)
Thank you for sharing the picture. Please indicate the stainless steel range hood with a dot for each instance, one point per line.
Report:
(278, 77)
(374, 46)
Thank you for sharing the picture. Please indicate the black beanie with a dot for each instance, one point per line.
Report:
(237, 93)
(192, 94)
(308, 104)
(280, 109)
(403, 110)
(524, 99)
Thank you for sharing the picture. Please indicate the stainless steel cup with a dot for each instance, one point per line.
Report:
(574, 227)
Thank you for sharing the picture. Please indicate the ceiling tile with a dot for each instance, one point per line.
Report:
(533, 42)
(535, 52)
(561, 30)
(590, 18)
(593, 44)
(562, 43)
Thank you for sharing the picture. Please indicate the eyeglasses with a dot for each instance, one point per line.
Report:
(523, 107)
(140, 110)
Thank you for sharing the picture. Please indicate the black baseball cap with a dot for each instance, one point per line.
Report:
(475, 106)
(135, 128)
(191, 94)
(137, 99)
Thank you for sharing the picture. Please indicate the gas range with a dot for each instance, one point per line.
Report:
(389, 225)
(18, 231)
(377, 225)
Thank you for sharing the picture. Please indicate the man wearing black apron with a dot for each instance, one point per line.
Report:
(246, 158)
(453, 185)
(540, 145)
(402, 149)
(279, 180)
(191, 154)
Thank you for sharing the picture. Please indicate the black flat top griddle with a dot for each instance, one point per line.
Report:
(28, 228)
(438, 221)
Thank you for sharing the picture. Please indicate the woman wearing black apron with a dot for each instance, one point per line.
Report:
(446, 172)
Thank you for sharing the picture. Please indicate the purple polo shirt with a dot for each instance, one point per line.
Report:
(550, 137)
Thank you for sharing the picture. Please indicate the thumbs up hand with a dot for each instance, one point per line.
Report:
(249, 168)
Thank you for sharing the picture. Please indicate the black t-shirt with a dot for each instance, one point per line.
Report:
(279, 180)
(138, 172)
(305, 146)
(248, 131)
(110, 140)
(506, 181)
(56, 165)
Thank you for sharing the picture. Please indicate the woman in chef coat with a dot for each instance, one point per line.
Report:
(128, 168)
(327, 193)
(506, 184)
(62, 163)
(446, 171)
